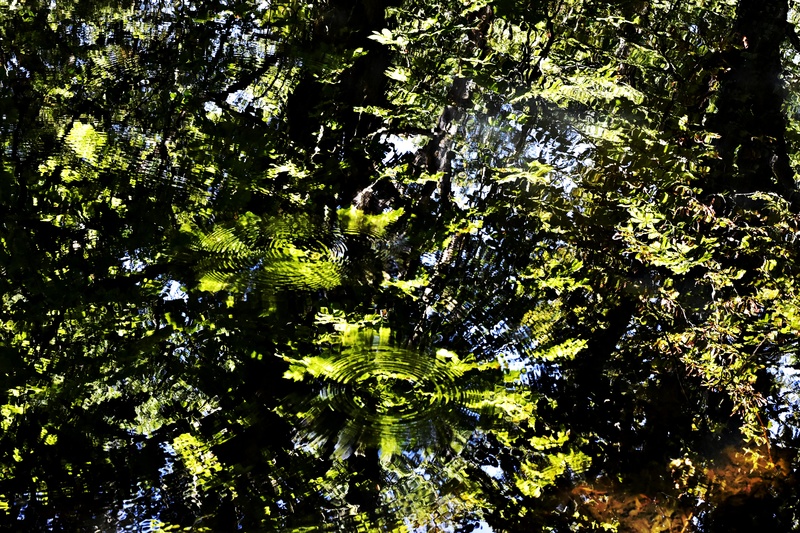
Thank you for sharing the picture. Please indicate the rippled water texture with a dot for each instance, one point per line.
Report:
(391, 399)
(398, 266)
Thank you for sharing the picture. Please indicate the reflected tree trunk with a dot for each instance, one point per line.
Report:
(749, 118)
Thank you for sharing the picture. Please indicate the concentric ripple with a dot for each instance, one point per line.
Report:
(389, 398)
(390, 385)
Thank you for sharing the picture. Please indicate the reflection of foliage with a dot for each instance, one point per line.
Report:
(376, 395)
(261, 254)
(200, 462)
(574, 224)
(357, 222)
(256, 253)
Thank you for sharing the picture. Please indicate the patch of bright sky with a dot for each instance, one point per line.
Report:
(402, 145)
(494, 471)
(132, 265)
(428, 259)
(174, 291)
(239, 99)
(787, 377)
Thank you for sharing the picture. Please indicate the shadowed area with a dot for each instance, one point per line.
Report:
(413, 266)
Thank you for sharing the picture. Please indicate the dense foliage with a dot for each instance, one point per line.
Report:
(399, 265)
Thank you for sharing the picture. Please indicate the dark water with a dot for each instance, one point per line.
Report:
(407, 267)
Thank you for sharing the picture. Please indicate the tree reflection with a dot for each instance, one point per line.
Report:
(233, 300)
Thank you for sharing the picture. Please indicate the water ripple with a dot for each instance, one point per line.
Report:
(389, 398)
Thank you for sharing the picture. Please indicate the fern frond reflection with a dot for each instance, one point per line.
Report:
(370, 394)
(262, 253)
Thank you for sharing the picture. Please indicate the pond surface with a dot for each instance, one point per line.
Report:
(398, 266)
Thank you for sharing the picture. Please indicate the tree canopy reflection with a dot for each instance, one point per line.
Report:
(399, 266)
